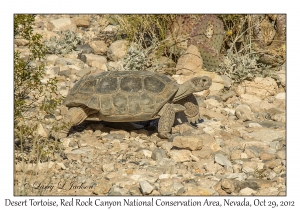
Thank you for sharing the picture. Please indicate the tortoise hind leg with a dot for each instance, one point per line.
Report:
(166, 121)
(74, 116)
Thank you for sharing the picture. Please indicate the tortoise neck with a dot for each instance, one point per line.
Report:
(184, 90)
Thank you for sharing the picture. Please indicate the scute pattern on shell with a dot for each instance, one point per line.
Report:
(117, 95)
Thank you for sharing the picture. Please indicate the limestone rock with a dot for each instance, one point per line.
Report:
(81, 21)
(41, 131)
(249, 99)
(188, 142)
(190, 62)
(62, 24)
(260, 87)
(117, 50)
(180, 155)
(222, 160)
(100, 48)
(247, 191)
(244, 112)
(146, 187)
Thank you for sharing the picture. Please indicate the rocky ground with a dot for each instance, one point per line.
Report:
(237, 148)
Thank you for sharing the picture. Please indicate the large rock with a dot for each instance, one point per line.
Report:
(243, 112)
(249, 99)
(222, 160)
(190, 62)
(180, 155)
(260, 87)
(62, 24)
(81, 21)
(97, 61)
(265, 135)
(260, 106)
(100, 48)
(117, 50)
(188, 142)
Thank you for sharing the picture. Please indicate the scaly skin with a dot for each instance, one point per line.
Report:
(166, 121)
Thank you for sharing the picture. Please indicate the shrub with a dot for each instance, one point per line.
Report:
(66, 43)
(34, 97)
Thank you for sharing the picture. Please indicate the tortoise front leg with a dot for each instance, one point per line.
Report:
(191, 108)
(74, 116)
(166, 121)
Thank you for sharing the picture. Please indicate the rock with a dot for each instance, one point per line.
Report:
(90, 58)
(273, 163)
(81, 21)
(102, 188)
(117, 50)
(114, 190)
(204, 153)
(236, 155)
(68, 62)
(177, 188)
(281, 154)
(249, 167)
(134, 190)
(249, 99)
(85, 49)
(247, 191)
(180, 155)
(62, 24)
(267, 156)
(158, 154)
(146, 187)
(280, 96)
(100, 48)
(212, 103)
(228, 185)
(253, 151)
(188, 142)
(190, 62)
(260, 87)
(61, 166)
(277, 114)
(265, 135)
(272, 124)
(198, 191)
(164, 65)
(260, 106)
(227, 95)
(41, 131)
(243, 112)
(254, 125)
(108, 167)
(209, 114)
(46, 35)
(227, 81)
(222, 160)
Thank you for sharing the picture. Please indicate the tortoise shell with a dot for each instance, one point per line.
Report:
(123, 95)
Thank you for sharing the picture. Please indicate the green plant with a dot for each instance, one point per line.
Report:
(66, 43)
(240, 67)
(33, 96)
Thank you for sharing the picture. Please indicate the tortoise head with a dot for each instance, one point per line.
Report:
(195, 84)
(200, 83)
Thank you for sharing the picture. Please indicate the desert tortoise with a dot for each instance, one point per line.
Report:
(125, 96)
